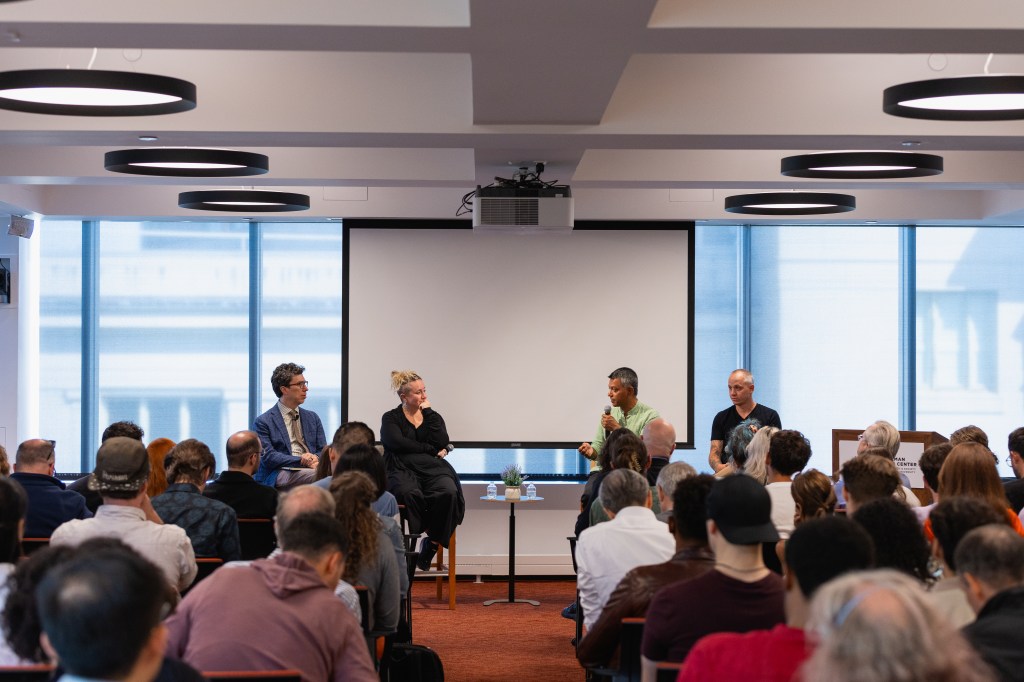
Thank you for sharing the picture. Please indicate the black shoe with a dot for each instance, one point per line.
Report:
(569, 611)
(428, 548)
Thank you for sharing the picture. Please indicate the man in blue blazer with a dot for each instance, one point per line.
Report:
(291, 437)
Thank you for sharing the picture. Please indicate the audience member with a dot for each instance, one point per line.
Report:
(13, 504)
(121, 476)
(897, 536)
(990, 562)
(968, 434)
(931, 463)
(875, 626)
(278, 612)
(813, 496)
(348, 435)
(633, 594)
(884, 435)
(101, 616)
(633, 537)
(236, 487)
(1015, 488)
(734, 456)
(665, 487)
(628, 453)
(49, 502)
(593, 485)
(660, 438)
(970, 472)
(952, 520)
(739, 595)
(158, 450)
(120, 429)
(212, 526)
(868, 477)
(817, 551)
(756, 465)
(788, 453)
(370, 559)
(5, 464)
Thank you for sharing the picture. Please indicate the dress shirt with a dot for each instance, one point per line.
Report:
(291, 424)
(607, 551)
(166, 545)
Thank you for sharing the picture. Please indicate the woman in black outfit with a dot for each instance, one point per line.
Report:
(415, 446)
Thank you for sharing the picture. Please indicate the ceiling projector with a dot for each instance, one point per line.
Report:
(523, 209)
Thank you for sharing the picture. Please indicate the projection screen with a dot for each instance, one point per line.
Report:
(515, 334)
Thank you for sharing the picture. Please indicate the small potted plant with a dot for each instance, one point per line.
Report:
(512, 477)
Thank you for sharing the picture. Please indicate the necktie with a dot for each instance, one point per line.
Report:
(297, 431)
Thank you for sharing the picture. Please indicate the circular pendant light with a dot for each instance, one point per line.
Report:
(186, 162)
(243, 200)
(78, 92)
(854, 165)
(790, 203)
(965, 98)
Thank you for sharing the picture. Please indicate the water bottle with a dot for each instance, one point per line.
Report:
(492, 491)
(531, 492)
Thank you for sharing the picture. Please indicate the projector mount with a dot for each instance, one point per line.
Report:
(524, 178)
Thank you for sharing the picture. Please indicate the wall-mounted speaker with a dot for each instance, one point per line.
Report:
(21, 227)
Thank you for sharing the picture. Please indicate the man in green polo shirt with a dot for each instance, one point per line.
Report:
(627, 411)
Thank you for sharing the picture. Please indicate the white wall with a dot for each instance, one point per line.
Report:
(9, 378)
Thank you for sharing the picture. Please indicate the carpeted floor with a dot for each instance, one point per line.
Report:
(480, 643)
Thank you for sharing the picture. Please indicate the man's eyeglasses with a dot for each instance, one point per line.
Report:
(303, 384)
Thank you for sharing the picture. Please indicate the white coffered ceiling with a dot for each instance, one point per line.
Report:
(650, 109)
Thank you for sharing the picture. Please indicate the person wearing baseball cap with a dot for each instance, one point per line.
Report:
(120, 476)
(739, 595)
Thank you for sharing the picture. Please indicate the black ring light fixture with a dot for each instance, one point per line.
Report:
(862, 165)
(964, 98)
(243, 200)
(186, 162)
(790, 203)
(81, 92)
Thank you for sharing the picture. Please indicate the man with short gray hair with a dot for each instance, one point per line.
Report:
(660, 438)
(990, 564)
(633, 537)
(666, 484)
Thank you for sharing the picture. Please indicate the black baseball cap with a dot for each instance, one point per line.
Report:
(742, 510)
(122, 465)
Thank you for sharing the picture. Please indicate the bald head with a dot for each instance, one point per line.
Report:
(243, 450)
(35, 456)
(304, 499)
(660, 438)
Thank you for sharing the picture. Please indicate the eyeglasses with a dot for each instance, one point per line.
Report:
(1009, 460)
(303, 384)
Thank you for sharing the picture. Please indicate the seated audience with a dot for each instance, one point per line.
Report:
(236, 487)
(669, 477)
(970, 472)
(13, 504)
(121, 429)
(158, 450)
(346, 437)
(632, 595)
(734, 454)
(788, 454)
(817, 551)
(756, 464)
(931, 463)
(990, 562)
(874, 626)
(952, 519)
(633, 537)
(101, 616)
(813, 497)
(1015, 488)
(277, 613)
(370, 559)
(629, 453)
(121, 476)
(604, 467)
(969, 434)
(659, 437)
(211, 525)
(883, 439)
(739, 595)
(5, 464)
(49, 502)
(866, 478)
(897, 536)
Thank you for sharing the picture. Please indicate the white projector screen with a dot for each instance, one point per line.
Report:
(515, 334)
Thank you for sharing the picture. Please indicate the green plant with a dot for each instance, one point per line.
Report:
(512, 475)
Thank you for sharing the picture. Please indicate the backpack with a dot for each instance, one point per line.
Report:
(415, 663)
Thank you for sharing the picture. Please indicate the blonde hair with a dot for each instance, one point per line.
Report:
(399, 378)
(757, 452)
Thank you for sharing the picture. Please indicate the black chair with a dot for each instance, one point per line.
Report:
(579, 607)
(631, 639)
(29, 545)
(256, 537)
(248, 675)
(26, 673)
(668, 672)
(206, 565)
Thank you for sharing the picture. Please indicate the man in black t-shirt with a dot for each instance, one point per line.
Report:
(741, 392)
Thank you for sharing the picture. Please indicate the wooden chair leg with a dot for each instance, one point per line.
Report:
(439, 580)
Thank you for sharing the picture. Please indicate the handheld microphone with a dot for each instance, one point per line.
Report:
(449, 448)
(607, 411)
